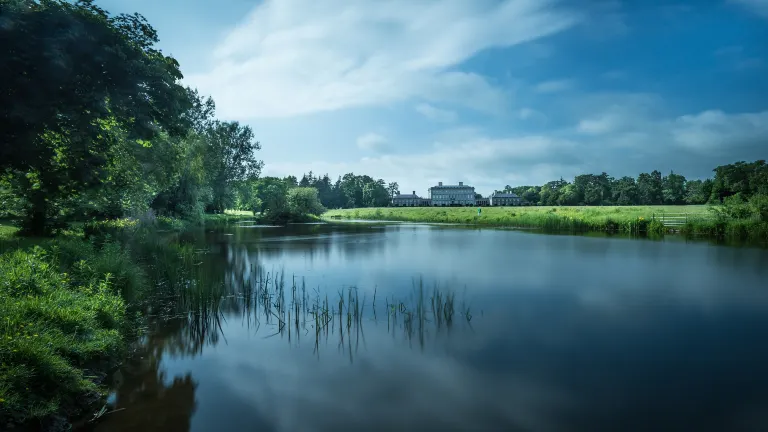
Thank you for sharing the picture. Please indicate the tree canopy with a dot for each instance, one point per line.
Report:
(740, 178)
(94, 121)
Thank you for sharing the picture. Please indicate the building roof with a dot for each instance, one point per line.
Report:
(452, 187)
(504, 195)
(406, 196)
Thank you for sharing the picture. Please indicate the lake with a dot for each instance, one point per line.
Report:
(472, 329)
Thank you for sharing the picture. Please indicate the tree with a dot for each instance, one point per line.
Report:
(697, 191)
(291, 181)
(532, 195)
(230, 157)
(304, 201)
(272, 193)
(649, 188)
(742, 178)
(71, 75)
(624, 191)
(393, 189)
(674, 189)
(569, 195)
(550, 192)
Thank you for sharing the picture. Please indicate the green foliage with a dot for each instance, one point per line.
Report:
(96, 124)
(740, 178)
(673, 189)
(53, 323)
(304, 201)
(230, 158)
(736, 207)
(72, 76)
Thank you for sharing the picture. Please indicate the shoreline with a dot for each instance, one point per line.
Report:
(699, 221)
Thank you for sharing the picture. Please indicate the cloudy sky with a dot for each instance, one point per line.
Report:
(489, 92)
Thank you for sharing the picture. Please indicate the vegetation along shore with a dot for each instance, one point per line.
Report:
(734, 220)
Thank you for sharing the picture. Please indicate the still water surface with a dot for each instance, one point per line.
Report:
(550, 333)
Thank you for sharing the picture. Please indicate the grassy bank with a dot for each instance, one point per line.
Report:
(69, 306)
(62, 323)
(631, 219)
(701, 221)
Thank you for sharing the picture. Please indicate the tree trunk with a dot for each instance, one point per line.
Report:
(36, 222)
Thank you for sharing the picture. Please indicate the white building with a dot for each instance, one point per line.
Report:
(505, 199)
(452, 195)
(407, 200)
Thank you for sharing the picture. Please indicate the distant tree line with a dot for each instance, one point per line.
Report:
(737, 181)
(272, 194)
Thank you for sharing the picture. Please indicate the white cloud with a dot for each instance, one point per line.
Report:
(295, 57)
(620, 138)
(484, 162)
(433, 113)
(716, 131)
(759, 7)
(554, 86)
(372, 142)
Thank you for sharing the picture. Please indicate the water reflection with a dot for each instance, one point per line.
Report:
(507, 331)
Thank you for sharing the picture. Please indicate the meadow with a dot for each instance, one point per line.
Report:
(631, 219)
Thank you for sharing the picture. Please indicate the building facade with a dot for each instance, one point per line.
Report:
(505, 199)
(452, 195)
(482, 202)
(407, 200)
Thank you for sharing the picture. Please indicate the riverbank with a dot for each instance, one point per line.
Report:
(699, 220)
(567, 219)
(69, 307)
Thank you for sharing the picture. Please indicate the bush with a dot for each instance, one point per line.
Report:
(304, 201)
(758, 205)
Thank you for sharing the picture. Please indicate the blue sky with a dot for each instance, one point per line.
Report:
(489, 92)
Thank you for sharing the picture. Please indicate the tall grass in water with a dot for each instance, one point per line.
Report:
(276, 305)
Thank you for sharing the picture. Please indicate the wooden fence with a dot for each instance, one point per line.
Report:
(678, 219)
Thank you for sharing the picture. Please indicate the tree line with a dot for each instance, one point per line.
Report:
(95, 123)
(277, 196)
(734, 182)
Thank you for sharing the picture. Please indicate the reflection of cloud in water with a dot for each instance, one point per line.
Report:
(577, 334)
(384, 389)
(557, 367)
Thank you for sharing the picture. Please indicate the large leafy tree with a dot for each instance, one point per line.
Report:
(304, 200)
(674, 189)
(624, 191)
(230, 158)
(72, 74)
(650, 188)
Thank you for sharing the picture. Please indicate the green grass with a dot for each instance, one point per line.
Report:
(60, 315)
(569, 219)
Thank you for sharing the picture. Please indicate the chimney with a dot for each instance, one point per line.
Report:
(414, 192)
(461, 183)
(439, 183)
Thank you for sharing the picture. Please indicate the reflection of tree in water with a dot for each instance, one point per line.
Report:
(144, 400)
(228, 283)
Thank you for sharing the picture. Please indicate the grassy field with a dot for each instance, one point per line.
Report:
(573, 219)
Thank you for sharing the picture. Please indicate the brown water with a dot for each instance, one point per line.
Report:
(551, 333)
